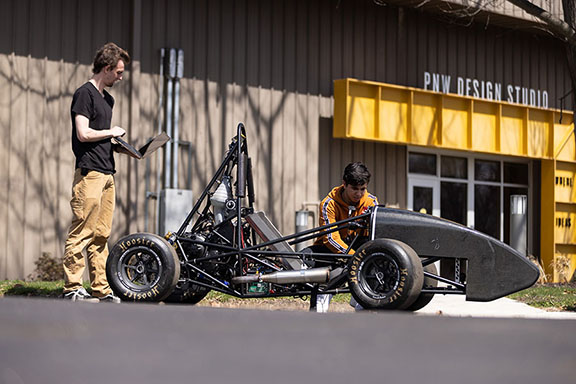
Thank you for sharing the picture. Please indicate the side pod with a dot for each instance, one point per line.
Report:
(494, 268)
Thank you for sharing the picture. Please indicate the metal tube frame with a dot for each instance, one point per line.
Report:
(257, 253)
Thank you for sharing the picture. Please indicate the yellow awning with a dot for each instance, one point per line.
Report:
(373, 111)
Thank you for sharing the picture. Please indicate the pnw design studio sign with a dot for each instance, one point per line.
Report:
(488, 90)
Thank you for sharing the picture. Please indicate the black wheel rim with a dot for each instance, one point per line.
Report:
(379, 276)
(140, 269)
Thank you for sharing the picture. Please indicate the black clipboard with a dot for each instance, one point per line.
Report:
(146, 150)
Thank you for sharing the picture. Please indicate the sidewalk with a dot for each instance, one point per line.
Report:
(457, 306)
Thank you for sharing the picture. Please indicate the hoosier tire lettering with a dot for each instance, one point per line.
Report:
(397, 294)
(139, 241)
(353, 273)
(152, 293)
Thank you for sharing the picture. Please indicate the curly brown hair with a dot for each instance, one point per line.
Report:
(109, 54)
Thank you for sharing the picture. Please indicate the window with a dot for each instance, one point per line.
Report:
(454, 167)
(422, 163)
(487, 170)
(423, 200)
(516, 173)
(487, 208)
(454, 201)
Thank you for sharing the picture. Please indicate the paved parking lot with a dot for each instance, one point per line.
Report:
(52, 341)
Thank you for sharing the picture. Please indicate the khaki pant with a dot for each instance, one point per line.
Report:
(93, 199)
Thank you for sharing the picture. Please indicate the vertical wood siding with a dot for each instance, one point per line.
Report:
(269, 64)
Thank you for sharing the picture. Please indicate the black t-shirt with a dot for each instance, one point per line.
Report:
(98, 155)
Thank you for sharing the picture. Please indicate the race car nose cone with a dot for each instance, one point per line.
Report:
(494, 268)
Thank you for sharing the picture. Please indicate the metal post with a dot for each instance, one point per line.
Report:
(518, 220)
(159, 130)
(301, 225)
(170, 74)
(179, 73)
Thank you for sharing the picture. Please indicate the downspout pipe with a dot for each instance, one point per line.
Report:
(170, 75)
(179, 73)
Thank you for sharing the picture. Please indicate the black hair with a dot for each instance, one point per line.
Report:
(356, 174)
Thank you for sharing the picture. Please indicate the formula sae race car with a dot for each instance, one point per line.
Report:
(225, 245)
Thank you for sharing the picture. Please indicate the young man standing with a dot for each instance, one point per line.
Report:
(347, 200)
(93, 190)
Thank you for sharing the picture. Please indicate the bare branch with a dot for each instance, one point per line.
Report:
(559, 27)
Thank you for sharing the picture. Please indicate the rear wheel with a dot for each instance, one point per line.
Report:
(385, 274)
(142, 267)
(190, 296)
(187, 293)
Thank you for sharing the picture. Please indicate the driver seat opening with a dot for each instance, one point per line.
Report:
(268, 232)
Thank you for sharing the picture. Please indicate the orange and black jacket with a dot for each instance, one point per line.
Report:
(332, 209)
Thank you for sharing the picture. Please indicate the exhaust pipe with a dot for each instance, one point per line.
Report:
(314, 275)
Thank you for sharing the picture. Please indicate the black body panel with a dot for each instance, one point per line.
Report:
(494, 268)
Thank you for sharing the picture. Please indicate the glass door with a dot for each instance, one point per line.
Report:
(424, 196)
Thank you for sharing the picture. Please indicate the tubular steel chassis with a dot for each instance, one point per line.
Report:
(259, 253)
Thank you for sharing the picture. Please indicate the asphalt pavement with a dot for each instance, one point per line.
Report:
(55, 341)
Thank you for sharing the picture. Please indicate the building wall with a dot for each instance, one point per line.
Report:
(269, 64)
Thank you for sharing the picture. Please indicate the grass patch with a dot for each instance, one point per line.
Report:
(224, 298)
(559, 297)
(340, 303)
(51, 289)
(31, 288)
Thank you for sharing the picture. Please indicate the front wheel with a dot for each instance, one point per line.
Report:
(385, 274)
(142, 267)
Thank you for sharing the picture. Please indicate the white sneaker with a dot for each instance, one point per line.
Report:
(110, 298)
(79, 294)
(323, 303)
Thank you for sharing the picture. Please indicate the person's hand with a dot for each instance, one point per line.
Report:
(117, 131)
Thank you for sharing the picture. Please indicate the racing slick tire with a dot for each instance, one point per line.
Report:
(142, 267)
(425, 298)
(385, 274)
